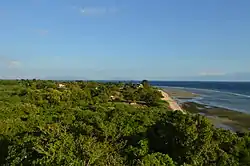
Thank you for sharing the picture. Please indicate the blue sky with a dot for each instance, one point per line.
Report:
(118, 39)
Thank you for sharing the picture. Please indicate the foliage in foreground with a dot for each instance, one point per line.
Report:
(81, 124)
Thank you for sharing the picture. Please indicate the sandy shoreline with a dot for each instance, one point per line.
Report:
(180, 93)
(226, 121)
(172, 103)
(220, 117)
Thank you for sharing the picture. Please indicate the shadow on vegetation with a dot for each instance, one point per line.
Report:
(4, 144)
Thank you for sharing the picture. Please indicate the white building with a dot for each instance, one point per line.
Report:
(61, 85)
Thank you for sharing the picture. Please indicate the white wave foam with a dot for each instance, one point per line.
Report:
(211, 90)
(237, 94)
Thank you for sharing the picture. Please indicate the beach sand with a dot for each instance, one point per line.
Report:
(172, 103)
(180, 93)
(220, 117)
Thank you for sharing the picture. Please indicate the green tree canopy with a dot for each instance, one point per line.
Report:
(42, 124)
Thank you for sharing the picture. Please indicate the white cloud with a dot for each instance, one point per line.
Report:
(42, 32)
(212, 74)
(14, 64)
(98, 10)
(93, 10)
(74, 7)
(9, 63)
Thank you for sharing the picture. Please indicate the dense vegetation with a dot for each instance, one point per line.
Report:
(90, 123)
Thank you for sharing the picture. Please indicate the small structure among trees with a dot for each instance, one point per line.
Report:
(61, 85)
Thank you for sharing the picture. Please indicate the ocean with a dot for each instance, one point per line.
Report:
(231, 95)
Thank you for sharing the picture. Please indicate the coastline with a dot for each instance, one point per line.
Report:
(215, 98)
(225, 118)
(172, 103)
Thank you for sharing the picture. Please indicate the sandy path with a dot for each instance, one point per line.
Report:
(172, 104)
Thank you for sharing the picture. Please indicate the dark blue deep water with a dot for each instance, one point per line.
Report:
(231, 95)
(233, 87)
